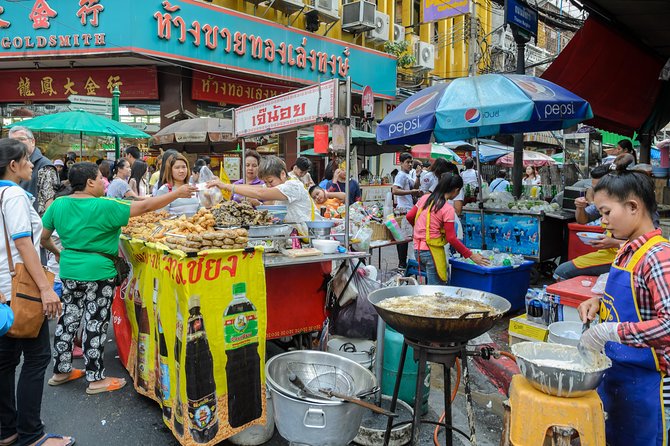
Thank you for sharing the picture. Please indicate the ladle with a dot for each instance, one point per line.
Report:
(587, 355)
(296, 381)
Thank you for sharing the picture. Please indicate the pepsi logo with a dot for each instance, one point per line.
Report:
(472, 115)
(535, 88)
(421, 102)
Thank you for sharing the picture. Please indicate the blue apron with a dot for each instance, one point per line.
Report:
(632, 390)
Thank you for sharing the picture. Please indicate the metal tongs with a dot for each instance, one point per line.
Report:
(588, 356)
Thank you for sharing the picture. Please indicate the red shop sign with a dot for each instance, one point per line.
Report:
(58, 84)
(321, 138)
(210, 88)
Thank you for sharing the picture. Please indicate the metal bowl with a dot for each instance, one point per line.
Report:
(565, 375)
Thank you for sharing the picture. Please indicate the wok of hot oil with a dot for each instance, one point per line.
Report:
(435, 305)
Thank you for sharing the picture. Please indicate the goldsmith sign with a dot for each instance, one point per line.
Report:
(189, 31)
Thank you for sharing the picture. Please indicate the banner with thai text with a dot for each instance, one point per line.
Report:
(198, 338)
(229, 90)
(434, 10)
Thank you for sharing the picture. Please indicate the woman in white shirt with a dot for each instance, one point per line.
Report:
(138, 181)
(23, 228)
(176, 175)
(531, 178)
(300, 207)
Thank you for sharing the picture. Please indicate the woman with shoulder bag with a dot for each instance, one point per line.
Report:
(20, 405)
(89, 226)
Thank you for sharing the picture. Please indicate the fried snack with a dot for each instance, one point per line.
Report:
(231, 213)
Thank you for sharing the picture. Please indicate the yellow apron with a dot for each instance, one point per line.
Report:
(436, 247)
(600, 257)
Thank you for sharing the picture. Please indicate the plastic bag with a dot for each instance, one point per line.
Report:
(208, 196)
(599, 287)
(363, 238)
(388, 204)
(359, 318)
(340, 281)
(393, 226)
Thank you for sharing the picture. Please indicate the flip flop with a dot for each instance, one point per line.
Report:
(48, 436)
(9, 440)
(116, 384)
(74, 374)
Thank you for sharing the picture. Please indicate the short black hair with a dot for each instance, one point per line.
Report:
(133, 151)
(303, 163)
(600, 171)
(502, 173)
(11, 150)
(206, 159)
(405, 156)
(80, 173)
(626, 183)
(469, 163)
(626, 145)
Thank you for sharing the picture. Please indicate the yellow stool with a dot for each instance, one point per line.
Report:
(533, 413)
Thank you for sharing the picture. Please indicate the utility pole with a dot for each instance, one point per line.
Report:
(521, 39)
(116, 94)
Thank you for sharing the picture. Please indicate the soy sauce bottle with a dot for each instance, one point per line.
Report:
(164, 369)
(243, 362)
(200, 385)
(178, 409)
(157, 368)
(143, 328)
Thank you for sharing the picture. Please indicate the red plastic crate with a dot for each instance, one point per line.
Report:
(572, 292)
(575, 246)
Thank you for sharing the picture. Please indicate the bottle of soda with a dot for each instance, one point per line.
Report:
(157, 369)
(163, 366)
(200, 385)
(143, 329)
(178, 409)
(240, 322)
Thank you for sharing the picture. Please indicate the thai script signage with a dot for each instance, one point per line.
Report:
(434, 10)
(189, 31)
(288, 111)
(227, 90)
(521, 15)
(58, 84)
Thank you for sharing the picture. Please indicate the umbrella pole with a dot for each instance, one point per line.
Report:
(480, 201)
(244, 162)
(81, 146)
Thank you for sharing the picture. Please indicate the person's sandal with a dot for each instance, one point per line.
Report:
(74, 374)
(115, 384)
(9, 440)
(48, 436)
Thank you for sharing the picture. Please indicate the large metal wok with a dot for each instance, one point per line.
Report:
(440, 330)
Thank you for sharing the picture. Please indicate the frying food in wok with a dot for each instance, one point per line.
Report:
(436, 305)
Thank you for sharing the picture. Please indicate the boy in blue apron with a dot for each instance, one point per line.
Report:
(635, 313)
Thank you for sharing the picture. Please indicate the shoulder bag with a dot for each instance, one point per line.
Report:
(120, 264)
(26, 300)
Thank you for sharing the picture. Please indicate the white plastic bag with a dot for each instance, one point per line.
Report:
(363, 238)
(599, 287)
(388, 204)
(208, 196)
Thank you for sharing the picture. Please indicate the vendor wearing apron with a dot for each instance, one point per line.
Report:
(433, 220)
(635, 310)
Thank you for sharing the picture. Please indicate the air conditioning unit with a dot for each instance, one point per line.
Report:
(398, 33)
(381, 31)
(327, 8)
(358, 17)
(425, 56)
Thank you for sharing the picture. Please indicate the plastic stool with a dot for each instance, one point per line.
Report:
(533, 413)
(413, 269)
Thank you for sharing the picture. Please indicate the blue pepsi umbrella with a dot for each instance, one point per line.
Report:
(479, 106)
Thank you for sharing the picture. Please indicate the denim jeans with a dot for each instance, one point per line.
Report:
(427, 264)
(21, 404)
(568, 270)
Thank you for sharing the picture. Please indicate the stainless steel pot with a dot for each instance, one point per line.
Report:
(308, 419)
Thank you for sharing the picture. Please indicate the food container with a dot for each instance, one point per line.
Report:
(590, 237)
(277, 211)
(565, 332)
(320, 228)
(311, 420)
(559, 369)
(269, 231)
(326, 246)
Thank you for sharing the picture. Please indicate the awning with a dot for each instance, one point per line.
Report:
(618, 77)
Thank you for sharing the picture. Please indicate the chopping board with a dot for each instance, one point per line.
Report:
(303, 252)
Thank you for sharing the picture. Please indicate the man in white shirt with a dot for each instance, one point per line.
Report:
(469, 175)
(403, 189)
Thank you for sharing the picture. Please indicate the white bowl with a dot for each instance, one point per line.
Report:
(326, 246)
(565, 332)
(590, 237)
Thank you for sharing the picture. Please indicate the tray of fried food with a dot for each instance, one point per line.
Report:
(203, 221)
(232, 213)
(225, 239)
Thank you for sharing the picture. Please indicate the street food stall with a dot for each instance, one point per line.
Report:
(207, 291)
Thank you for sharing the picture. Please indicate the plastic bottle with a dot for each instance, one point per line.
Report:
(240, 325)
(545, 306)
(157, 370)
(166, 401)
(534, 306)
(200, 385)
(142, 318)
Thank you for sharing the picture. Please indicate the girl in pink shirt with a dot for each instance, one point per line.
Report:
(435, 209)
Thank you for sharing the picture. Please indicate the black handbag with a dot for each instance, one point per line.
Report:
(122, 267)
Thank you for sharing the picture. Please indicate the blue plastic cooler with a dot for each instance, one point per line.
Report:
(510, 282)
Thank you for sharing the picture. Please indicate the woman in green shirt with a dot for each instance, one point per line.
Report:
(89, 223)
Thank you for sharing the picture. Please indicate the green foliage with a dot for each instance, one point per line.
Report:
(401, 50)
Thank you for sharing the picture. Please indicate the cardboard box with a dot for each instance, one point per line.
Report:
(524, 330)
